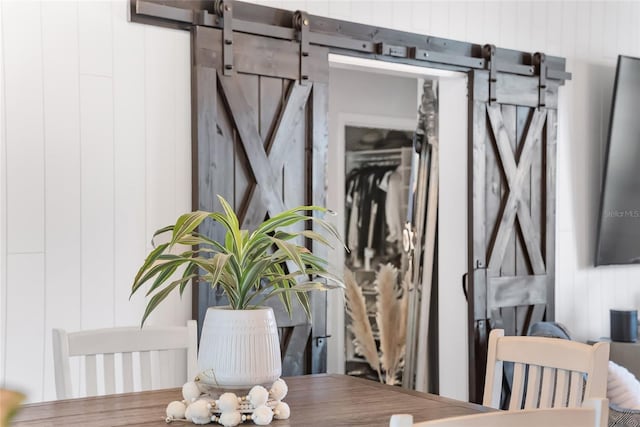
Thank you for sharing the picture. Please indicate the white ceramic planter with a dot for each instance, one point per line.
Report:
(240, 348)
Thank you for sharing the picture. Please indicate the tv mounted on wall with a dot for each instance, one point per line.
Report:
(619, 223)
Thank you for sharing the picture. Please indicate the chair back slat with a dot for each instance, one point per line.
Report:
(517, 389)
(533, 387)
(127, 372)
(109, 373)
(547, 387)
(562, 388)
(575, 391)
(126, 359)
(555, 369)
(145, 370)
(91, 375)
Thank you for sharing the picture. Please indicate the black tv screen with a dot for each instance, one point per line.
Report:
(619, 224)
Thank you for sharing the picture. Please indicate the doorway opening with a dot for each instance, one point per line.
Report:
(373, 113)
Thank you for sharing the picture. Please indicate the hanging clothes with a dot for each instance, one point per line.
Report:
(365, 188)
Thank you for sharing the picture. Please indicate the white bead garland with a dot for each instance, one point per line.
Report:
(259, 405)
(258, 396)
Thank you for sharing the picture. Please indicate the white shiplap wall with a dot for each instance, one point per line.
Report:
(95, 153)
(95, 157)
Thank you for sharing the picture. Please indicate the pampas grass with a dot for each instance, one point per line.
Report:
(391, 318)
(360, 326)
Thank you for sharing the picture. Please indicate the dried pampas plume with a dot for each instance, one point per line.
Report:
(387, 317)
(360, 326)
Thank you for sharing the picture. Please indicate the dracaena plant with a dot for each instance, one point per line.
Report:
(250, 266)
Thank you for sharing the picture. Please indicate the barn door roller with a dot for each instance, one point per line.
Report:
(540, 61)
(489, 53)
(301, 23)
(224, 11)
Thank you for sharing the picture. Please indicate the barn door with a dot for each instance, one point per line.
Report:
(512, 210)
(260, 140)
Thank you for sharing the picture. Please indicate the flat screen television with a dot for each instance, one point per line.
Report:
(619, 224)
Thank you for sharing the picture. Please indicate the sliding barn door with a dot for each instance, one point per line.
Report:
(260, 141)
(512, 156)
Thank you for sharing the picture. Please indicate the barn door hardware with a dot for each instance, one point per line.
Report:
(489, 53)
(224, 11)
(540, 61)
(396, 51)
(301, 23)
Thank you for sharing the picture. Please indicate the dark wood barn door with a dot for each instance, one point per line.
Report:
(512, 210)
(259, 140)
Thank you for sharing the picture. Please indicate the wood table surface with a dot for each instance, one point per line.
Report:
(315, 400)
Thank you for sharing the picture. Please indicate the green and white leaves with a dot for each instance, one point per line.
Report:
(248, 266)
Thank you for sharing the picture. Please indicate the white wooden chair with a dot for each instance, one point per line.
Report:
(553, 369)
(593, 413)
(159, 352)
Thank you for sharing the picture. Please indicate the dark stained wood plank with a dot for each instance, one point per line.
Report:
(212, 156)
(508, 267)
(523, 115)
(477, 205)
(317, 146)
(515, 176)
(477, 335)
(265, 56)
(517, 290)
(515, 90)
(243, 117)
(293, 359)
(550, 208)
(291, 117)
(495, 188)
(315, 400)
(272, 97)
(508, 319)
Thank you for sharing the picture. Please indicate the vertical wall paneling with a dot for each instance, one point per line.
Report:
(129, 154)
(491, 22)
(62, 174)
(440, 18)
(95, 43)
(458, 17)
(25, 328)
(24, 132)
(475, 28)
(161, 117)
(97, 209)
(508, 24)
(3, 215)
(524, 21)
(182, 146)
(400, 15)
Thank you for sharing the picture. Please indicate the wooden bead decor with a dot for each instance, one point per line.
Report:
(201, 405)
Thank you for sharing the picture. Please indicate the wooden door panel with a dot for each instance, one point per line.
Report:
(260, 139)
(512, 213)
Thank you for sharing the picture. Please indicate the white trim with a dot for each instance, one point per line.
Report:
(389, 68)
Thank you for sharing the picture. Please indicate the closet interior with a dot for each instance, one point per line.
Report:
(377, 179)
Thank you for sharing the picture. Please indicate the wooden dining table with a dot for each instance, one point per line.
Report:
(315, 400)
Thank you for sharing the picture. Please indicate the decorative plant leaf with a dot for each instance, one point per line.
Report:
(186, 224)
(248, 266)
(161, 295)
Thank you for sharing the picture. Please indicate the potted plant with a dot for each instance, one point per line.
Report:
(239, 346)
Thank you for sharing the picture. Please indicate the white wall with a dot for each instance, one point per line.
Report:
(95, 156)
(60, 196)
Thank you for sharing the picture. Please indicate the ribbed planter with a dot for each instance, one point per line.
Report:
(240, 348)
